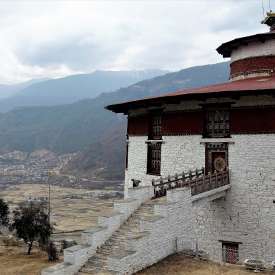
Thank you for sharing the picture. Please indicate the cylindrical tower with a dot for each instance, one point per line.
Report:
(252, 56)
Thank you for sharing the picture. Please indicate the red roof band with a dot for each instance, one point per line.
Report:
(253, 85)
(246, 86)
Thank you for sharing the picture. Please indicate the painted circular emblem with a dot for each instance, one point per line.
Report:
(219, 164)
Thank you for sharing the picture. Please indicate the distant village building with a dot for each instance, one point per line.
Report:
(229, 126)
(200, 173)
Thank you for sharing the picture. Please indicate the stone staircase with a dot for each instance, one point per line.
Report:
(141, 231)
(119, 245)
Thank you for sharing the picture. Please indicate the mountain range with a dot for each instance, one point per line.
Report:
(69, 89)
(9, 90)
(87, 128)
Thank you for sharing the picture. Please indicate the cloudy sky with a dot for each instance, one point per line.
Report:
(56, 38)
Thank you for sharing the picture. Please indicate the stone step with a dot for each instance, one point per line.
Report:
(110, 249)
(137, 215)
(116, 246)
(122, 254)
(96, 262)
(97, 271)
(117, 239)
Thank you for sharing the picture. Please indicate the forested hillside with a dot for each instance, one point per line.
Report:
(85, 126)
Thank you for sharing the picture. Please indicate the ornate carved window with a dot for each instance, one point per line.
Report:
(217, 123)
(155, 127)
(154, 158)
(216, 156)
(154, 148)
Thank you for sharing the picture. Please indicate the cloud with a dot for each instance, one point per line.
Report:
(57, 38)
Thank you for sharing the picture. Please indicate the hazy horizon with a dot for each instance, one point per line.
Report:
(59, 38)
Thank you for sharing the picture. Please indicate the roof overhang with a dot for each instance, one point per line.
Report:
(226, 48)
(233, 89)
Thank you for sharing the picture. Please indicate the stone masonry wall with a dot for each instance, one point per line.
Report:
(254, 49)
(246, 215)
(178, 154)
(173, 228)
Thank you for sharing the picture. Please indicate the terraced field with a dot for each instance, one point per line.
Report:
(71, 209)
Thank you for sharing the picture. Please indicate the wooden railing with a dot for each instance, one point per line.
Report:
(161, 185)
(209, 182)
(196, 179)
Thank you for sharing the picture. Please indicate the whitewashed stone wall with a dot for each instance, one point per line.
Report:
(178, 154)
(76, 256)
(246, 215)
(250, 208)
(174, 228)
(254, 49)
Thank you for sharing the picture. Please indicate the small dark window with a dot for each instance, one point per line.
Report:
(155, 127)
(217, 123)
(154, 158)
(230, 252)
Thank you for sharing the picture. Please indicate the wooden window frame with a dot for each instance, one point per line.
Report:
(154, 158)
(154, 146)
(214, 147)
(217, 131)
(235, 249)
(155, 126)
(126, 157)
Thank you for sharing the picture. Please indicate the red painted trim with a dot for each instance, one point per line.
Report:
(138, 126)
(184, 123)
(242, 121)
(252, 64)
(253, 121)
(180, 123)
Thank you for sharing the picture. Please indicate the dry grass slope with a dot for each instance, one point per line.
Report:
(14, 261)
(72, 209)
(181, 265)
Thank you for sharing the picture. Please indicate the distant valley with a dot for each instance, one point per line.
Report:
(95, 136)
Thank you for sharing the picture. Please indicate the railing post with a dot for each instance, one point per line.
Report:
(190, 175)
(198, 180)
(161, 184)
(227, 175)
(216, 178)
(193, 189)
(176, 180)
(183, 179)
(210, 180)
(153, 184)
(169, 181)
(203, 180)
